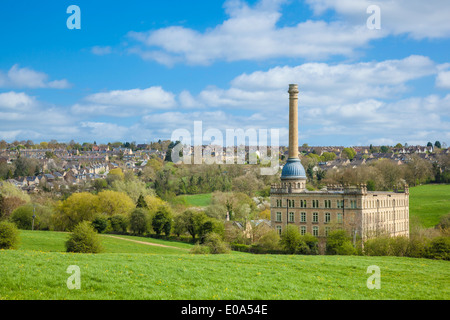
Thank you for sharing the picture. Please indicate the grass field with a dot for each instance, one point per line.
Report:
(132, 271)
(428, 203)
(197, 200)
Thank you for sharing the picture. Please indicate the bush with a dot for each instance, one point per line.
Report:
(377, 247)
(439, 248)
(215, 244)
(199, 249)
(270, 241)
(9, 235)
(311, 242)
(338, 242)
(291, 239)
(84, 239)
(118, 223)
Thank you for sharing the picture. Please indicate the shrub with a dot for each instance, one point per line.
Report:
(118, 223)
(9, 235)
(338, 242)
(270, 241)
(311, 242)
(199, 249)
(84, 239)
(439, 248)
(377, 247)
(215, 244)
(399, 246)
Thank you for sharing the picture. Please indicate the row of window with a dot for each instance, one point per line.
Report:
(315, 203)
(304, 230)
(303, 217)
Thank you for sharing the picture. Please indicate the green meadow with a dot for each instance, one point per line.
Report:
(197, 200)
(427, 203)
(130, 270)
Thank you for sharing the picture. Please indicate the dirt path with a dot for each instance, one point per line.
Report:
(143, 242)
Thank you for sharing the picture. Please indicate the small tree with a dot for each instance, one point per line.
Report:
(100, 223)
(291, 239)
(215, 244)
(338, 242)
(139, 221)
(118, 223)
(84, 239)
(9, 235)
(162, 221)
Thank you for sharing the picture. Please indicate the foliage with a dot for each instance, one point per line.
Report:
(439, 248)
(8, 205)
(84, 239)
(75, 209)
(114, 202)
(118, 223)
(199, 249)
(216, 244)
(139, 221)
(162, 221)
(9, 235)
(339, 242)
(100, 223)
(22, 217)
(350, 153)
(290, 239)
(270, 241)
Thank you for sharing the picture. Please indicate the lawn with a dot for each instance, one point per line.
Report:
(428, 203)
(133, 271)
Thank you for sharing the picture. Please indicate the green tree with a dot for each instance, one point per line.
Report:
(350, 153)
(290, 239)
(113, 202)
(139, 221)
(162, 221)
(338, 242)
(75, 209)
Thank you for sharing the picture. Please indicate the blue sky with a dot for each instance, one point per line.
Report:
(139, 70)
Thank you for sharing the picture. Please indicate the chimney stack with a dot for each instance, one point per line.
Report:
(293, 121)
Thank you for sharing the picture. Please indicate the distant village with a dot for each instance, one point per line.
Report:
(63, 166)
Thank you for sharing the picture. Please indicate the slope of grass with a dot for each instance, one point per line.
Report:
(428, 203)
(133, 276)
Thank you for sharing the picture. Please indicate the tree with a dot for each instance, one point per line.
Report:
(193, 222)
(290, 239)
(75, 209)
(113, 202)
(100, 223)
(384, 149)
(23, 217)
(162, 221)
(338, 242)
(398, 146)
(429, 144)
(118, 223)
(350, 153)
(437, 144)
(84, 239)
(141, 202)
(139, 221)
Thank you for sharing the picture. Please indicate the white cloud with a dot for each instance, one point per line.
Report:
(443, 79)
(17, 101)
(417, 18)
(123, 103)
(18, 77)
(251, 33)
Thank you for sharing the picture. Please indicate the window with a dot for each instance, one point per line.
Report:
(293, 204)
(327, 203)
(303, 230)
(339, 217)
(315, 203)
(303, 217)
(315, 217)
(279, 230)
(291, 217)
(327, 231)
(327, 217)
(353, 204)
(315, 231)
(302, 203)
(278, 217)
(340, 203)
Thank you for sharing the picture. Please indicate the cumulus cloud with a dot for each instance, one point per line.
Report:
(251, 33)
(417, 18)
(18, 77)
(101, 51)
(122, 103)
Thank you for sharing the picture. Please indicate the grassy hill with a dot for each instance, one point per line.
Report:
(132, 270)
(427, 203)
(197, 200)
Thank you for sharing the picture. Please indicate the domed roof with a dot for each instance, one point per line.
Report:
(293, 169)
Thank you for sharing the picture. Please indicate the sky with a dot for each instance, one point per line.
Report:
(140, 70)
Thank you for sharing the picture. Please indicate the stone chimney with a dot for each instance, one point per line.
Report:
(293, 121)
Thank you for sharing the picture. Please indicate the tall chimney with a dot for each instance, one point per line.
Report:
(293, 121)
